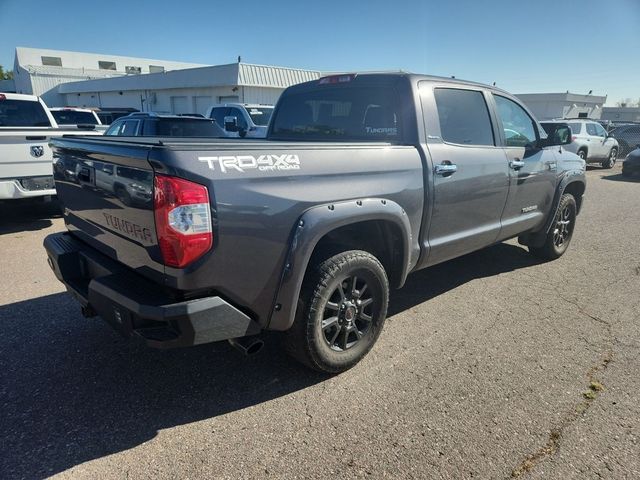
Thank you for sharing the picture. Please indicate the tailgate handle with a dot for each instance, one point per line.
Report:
(39, 138)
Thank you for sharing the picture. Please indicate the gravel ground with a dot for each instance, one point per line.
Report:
(490, 366)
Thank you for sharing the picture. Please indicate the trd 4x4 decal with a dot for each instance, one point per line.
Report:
(263, 163)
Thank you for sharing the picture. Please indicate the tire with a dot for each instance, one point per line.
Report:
(337, 322)
(611, 159)
(582, 154)
(123, 195)
(561, 232)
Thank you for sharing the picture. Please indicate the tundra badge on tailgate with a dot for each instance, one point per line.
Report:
(263, 163)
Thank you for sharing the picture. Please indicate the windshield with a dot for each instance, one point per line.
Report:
(22, 113)
(186, 127)
(71, 117)
(339, 114)
(260, 116)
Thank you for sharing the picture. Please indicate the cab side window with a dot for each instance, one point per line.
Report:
(235, 112)
(464, 117)
(519, 128)
(600, 131)
(218, 115)
(591, 129)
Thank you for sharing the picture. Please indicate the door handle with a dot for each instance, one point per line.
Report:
(516, 164)
(446, 169)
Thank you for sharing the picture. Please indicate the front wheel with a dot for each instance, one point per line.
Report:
(341, 312)
(611, 159)
(561, 231)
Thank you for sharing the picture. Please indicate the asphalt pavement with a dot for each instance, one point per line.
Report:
(493, 365)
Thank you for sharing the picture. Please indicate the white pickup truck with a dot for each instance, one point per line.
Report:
(241, 119)
(26, 126)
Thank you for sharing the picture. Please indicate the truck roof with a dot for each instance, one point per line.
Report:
(19, 96)
(401, 74)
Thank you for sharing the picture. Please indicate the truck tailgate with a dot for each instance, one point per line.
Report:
(24, 153)
(106, 191)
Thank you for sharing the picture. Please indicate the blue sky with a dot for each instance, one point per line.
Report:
(523, 46)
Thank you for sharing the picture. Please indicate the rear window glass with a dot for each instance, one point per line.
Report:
(21, 113)
(186, 128)
(339, 114)
(260, 116)
(69, 117)
(575, 127)
(464, 117)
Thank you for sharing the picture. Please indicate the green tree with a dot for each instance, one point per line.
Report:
(5, 75)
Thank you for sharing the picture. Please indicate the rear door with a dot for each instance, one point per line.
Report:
(596, 143)
(470, 174)
(532, 170)
(603, 146)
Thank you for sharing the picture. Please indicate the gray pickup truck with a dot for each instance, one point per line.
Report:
(363, 179)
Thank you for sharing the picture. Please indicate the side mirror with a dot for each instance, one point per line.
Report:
(231, 124)
(561, 136)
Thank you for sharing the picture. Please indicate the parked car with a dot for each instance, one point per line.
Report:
(242, 120)
(589, 140)
(628, 137)
(631, 164)
(157, 125)
(26, 127)
(362, 179)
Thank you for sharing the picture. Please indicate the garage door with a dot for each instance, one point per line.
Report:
(180, 105)
(228, 99)
(201, 104)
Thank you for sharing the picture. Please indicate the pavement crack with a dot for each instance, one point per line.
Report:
(589, 396)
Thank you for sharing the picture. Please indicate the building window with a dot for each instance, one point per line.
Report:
(133, 70)
(107, 65)
(156, 69)
(52, 61)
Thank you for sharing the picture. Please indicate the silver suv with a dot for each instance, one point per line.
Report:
(590, 141)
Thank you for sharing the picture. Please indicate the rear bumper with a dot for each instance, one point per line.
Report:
(13, 190)
(133, 305)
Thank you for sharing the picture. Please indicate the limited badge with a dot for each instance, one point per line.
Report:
(37, 151)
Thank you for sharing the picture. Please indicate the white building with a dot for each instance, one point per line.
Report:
(187, 91)
(547, 106)
(621, 114)
(39, 71)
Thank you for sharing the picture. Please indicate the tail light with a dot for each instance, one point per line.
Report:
(183, 220)
(573, 138)
(333, 79)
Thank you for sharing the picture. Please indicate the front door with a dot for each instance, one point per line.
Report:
(532, 170)
(470, 175)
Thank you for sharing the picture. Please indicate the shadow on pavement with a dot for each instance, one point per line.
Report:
(431, 282)
(621, 178)
(71, 390)
(27, 215)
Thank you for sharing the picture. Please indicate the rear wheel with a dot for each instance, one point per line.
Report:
(611, 159)
(341, 312)
(123, 195)
(582, 154)
(561, 232)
